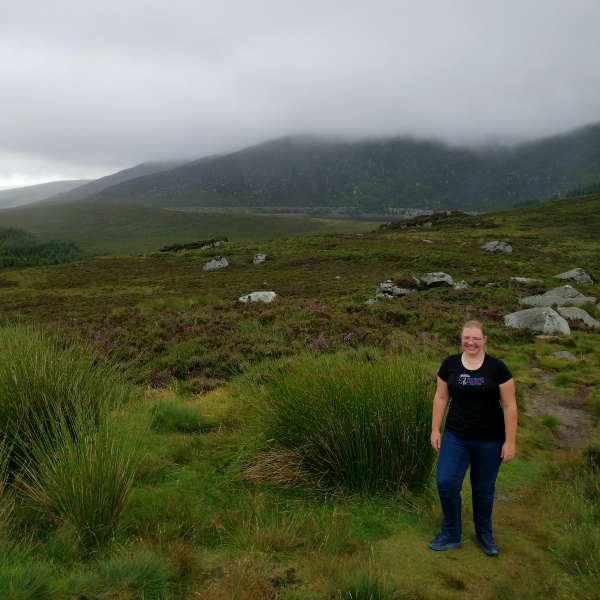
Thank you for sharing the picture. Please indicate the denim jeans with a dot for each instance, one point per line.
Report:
(454, 458)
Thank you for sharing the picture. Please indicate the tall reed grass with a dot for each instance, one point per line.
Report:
(362, 424)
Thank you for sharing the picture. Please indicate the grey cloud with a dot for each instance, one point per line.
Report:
(87, 87)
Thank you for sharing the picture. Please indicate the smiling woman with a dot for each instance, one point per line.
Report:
(480, 432)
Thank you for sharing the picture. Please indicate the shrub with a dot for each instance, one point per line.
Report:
(363, 425)
(41, 378)
(372, 586)
(170, 417)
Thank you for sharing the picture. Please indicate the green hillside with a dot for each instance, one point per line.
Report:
(123, 229)
(214, 501)
(373, 176)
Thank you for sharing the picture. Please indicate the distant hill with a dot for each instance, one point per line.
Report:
(97, 185)
(373, 176)
(34, 193)
(124, 229)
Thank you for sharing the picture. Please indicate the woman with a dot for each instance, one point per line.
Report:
(480, 431)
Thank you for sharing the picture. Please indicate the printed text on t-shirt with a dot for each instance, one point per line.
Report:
(466, 379)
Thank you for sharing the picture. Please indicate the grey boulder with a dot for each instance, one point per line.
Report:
(566, 355)
(578, 275)
(387, 288)
(218, 262)
(542, 319)
(371, 301)
(572, 313)
(560, 296)
(433, 280)
(259, 259)
(460, 285)
(259, 297)
(497, 247)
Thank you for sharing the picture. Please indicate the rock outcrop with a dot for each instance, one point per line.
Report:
(542, 319)
(259, 259)
(258, 297)
(218, 262)
(497, 247)
(578, 275)
(565, 355)
(561, 296)
(572, 313)
(434, 280)
(387, 288)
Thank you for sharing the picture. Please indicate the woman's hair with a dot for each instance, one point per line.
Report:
(474, 325)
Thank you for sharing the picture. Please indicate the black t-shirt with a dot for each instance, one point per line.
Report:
(475, 412)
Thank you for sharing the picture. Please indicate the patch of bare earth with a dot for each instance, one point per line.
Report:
(575, 422)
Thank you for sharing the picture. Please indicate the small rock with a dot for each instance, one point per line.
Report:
(542, 319)
(438, 279)
(566, 355)
(459, 285)
(265, 283)
(448, 212)
(490, 284)
(337, 277)
(526, 280)
(259, 259)
(428, 224)
(546, 338)
(428, 241)
(387, 288)
(497, 247)
(219, 262)
(502, 499)
(578, 275)
(258, 297)
(560, 296)
(371, 301)
(572, 313)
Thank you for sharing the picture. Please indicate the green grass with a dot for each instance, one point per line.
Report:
(125, 229)
(170, 417)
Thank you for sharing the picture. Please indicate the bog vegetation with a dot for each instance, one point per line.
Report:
(161, 440)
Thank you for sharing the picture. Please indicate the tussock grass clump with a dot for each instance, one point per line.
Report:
(41, 378)
(363, 425)
(171, 417)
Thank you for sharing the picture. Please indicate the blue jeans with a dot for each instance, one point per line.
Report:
(453, 461)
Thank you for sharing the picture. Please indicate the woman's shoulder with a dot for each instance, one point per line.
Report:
(452, 358)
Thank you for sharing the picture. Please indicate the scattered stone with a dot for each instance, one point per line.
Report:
(490, 284)
(337, 277)
(213, 244)
(497, 247)
(460, 285)
(560, 296)
(542, 319)
(259, 259)
(259, 297)
(526, 280)
(448, 212)
(578, 275)
(265, 283)
(428, 224)
(434, 280)
(428, 241)
(387, 288)
(371, 301)
(403, 226)
(572, 313)
(218, 262)
(502, 499)
(566, 355)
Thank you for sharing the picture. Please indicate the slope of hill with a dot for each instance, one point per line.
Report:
(124, 229)
(34, 193)
(373, 176)
(97, 185)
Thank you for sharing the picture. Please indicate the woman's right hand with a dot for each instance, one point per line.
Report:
(436, 440)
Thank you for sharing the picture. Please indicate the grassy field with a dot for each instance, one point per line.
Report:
(228, 501)
(123, 229)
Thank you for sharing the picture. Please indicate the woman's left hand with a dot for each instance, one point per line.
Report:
(508, 452)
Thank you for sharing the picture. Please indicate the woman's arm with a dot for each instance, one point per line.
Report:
(440, 403)
(508, 401)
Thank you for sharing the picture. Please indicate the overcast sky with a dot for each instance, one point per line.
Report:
(89, 88)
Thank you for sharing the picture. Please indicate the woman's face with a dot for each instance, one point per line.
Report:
(473, 341)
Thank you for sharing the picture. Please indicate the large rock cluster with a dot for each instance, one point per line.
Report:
(578, 275)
